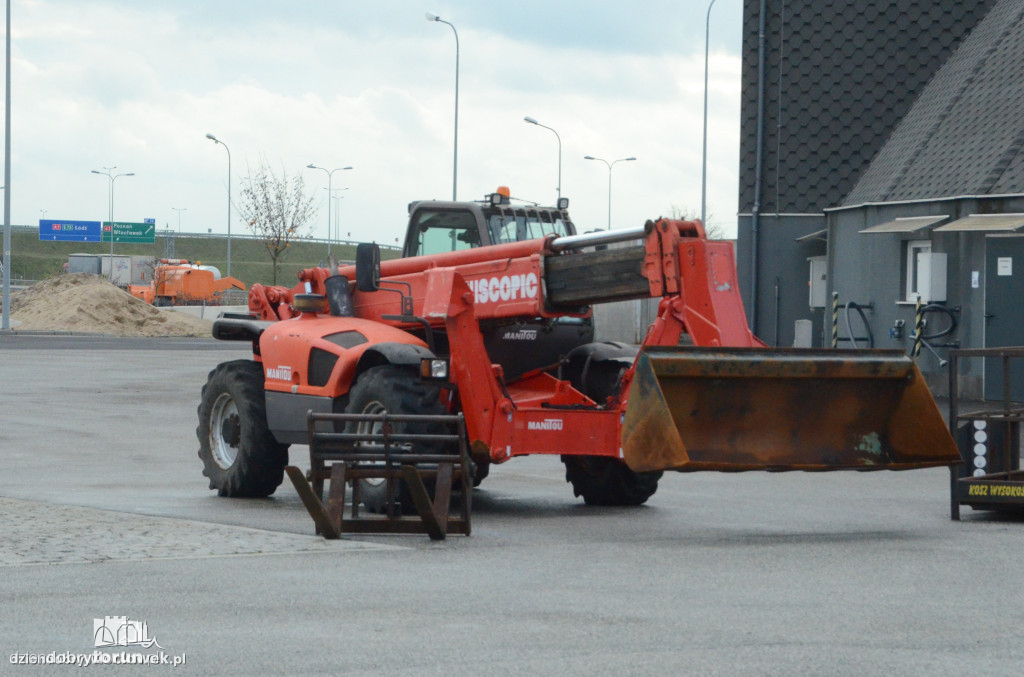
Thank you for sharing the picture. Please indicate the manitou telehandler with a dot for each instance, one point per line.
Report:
(488, 315)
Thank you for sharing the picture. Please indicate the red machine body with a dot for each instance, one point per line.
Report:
(433, 307)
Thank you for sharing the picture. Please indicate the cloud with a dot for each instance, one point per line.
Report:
(138, 85)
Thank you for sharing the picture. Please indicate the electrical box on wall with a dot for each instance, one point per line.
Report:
(818, 282)
(931, 276)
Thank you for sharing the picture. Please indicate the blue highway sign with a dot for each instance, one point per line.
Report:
(70, 231)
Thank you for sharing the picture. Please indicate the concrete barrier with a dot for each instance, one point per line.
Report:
(206, 312)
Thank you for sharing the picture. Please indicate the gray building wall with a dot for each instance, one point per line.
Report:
(783, 272)
(870, 268)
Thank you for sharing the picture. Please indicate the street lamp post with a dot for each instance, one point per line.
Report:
(330, 174)
(333, 193)
(534, 122)
(110, 208)
(455, 161)
(179, 210)
(704, 153)
(213, 138)
(610, 165)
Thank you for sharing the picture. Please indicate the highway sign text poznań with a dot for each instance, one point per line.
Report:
(69, 231)
(141, 233)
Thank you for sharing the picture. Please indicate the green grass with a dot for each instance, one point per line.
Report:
(33, 259)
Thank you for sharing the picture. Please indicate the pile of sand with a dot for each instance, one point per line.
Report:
(81, 302)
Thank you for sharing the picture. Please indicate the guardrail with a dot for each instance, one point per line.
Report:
(234, 236)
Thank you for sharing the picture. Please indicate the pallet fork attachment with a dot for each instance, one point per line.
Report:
(340, 457)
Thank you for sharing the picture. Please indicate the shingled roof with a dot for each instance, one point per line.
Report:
(839, 77)
(965, 132)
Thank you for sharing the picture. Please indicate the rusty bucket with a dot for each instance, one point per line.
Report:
(735, 409)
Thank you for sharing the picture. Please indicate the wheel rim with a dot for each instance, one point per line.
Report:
(225, 431)
(371, 428)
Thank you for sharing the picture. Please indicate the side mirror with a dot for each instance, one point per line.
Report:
(367, 266)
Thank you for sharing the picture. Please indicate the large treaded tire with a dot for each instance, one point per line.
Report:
(240, 455)
(602, 480)
(394, 390)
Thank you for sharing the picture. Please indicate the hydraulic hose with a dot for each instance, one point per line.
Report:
(953, 321)
(864, 319)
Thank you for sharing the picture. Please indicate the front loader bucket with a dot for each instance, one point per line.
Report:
(733, 409)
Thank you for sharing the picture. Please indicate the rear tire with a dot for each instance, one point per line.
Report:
(602, 480)
(394, 390)
(240, 455)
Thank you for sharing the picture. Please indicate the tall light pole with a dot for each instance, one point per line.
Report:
(704, 154)
(179, 210)
(330, 173)
(455, 161)
(610, 165)
(5, 314)
(110, 208)
(534, 122)
(213, 138)
(333, 193)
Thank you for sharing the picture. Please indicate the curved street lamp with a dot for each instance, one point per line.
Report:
(455, 161)
(610, 165)
(110, 208)
(330, 173)
(534, 122)
(213, 138)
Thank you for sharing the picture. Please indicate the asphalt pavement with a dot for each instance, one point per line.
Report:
(108, 522)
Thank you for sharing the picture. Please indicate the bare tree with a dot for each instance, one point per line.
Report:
(277, 210)
(714, 231)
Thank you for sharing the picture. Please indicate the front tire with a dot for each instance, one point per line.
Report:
(602, 480)
(394, 390)
(240, 455)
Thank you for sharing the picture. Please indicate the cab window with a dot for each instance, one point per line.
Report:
(444, 231)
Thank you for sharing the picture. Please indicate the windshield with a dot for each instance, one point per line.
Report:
(448, 230)
(525, 226)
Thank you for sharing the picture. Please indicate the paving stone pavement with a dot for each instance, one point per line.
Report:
(43, 533)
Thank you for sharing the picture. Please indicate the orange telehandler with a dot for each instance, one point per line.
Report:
(177, 282)
(488, 314)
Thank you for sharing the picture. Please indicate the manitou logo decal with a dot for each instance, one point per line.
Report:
(504, 288)
(520, 335)
(546, 424)
(281, 373)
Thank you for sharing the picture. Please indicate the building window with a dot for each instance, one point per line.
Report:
(912, 263)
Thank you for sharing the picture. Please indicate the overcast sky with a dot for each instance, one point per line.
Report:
(137, 84)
